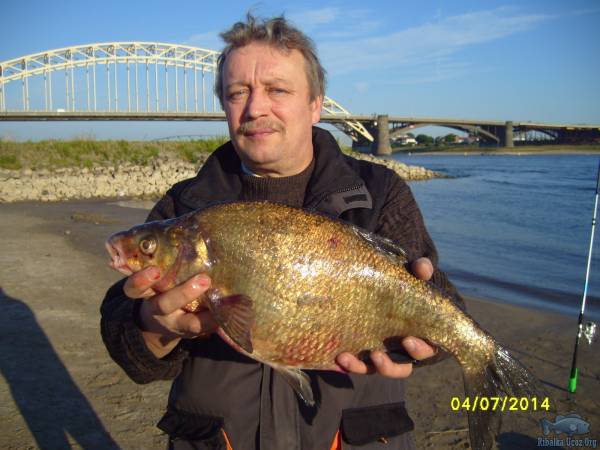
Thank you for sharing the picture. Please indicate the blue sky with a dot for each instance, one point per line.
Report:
(501, 60)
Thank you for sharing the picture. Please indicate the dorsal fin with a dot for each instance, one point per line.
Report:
(383, 245)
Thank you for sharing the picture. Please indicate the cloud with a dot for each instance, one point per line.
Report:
(361, 86)
(308, 20)
(209, 40)
(425, 44)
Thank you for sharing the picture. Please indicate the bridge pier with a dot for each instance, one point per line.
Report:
(381, 146)
(508, 140)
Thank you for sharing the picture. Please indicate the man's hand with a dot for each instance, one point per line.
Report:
(163, 321)
(418, 349)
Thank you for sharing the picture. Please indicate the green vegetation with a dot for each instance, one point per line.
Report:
(89, 153)
(53, 154)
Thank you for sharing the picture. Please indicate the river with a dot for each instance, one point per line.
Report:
(514, 228)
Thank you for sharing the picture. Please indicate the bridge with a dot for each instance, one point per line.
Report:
(160, 81)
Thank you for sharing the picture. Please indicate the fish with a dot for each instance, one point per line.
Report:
(570, 424)
(293, 289)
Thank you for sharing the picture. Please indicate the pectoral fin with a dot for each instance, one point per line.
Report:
(235, 316)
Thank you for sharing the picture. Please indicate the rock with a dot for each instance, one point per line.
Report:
(129, 180)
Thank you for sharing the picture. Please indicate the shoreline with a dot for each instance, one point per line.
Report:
(131, 180)
(588, 149)
(499, 152)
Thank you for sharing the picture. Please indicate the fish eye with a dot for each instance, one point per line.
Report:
(148, 246)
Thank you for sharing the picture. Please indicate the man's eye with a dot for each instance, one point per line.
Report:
(235, 95)
(278, 91)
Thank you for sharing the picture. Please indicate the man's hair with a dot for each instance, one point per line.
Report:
(278, 33)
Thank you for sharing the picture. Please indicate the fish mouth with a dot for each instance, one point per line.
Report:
(118, 261)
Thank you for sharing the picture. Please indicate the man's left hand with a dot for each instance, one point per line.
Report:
(417, 348)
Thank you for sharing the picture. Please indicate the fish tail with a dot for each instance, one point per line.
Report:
(546, 426)
(500, 377)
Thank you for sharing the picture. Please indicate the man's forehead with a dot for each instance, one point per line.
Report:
(271, 64)
(263, 54)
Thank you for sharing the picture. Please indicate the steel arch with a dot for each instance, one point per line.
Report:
(126, 53)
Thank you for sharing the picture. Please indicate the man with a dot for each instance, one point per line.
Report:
(271, 86)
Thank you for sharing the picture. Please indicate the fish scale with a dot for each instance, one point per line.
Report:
(293, 289)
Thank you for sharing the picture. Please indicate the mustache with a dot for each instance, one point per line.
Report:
(259, 124)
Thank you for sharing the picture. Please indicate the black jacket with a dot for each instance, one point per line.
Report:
(216, 388)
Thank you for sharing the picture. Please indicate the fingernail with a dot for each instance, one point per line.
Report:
(409, 345)
(201, 281)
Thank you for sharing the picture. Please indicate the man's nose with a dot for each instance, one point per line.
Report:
(258, 104)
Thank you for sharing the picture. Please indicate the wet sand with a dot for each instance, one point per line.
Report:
(60, 389)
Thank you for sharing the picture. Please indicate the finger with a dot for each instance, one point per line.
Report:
(352, 364)
(422, 268)
(384, 366)
(138, 284)
(181, 295)
(195, 324)
(418, 348)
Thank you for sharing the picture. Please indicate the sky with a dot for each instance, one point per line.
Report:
(501, 60)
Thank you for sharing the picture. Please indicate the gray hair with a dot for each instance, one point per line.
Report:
(278, 33)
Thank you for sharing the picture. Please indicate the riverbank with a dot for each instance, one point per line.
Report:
(148, 179)
(516, 150)
(60, 389)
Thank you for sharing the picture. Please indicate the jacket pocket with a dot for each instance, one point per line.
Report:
(198, 431)
(364, 425)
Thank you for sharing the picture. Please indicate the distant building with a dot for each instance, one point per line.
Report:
(403, 139)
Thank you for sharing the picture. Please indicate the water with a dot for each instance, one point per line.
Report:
(514, 228)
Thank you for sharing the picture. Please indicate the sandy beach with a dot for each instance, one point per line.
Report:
(60, 389)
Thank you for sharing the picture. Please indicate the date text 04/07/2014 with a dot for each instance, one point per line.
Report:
(500, 404)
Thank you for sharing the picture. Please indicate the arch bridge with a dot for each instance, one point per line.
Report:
(161, 81)
(124, 81)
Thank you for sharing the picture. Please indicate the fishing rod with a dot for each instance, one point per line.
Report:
(590, 327)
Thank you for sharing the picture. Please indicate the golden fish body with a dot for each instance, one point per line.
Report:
(294, 289)
(319, 287)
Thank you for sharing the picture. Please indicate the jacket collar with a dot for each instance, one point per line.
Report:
(334, 187)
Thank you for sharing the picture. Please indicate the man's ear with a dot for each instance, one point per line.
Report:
(316, 106)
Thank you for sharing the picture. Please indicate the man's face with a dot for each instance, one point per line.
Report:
(270, 115)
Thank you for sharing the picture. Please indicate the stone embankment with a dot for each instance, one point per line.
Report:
(127, 180)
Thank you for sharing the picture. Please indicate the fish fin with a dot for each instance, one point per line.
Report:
(235, 316)
(299, 381)
(383, 245)
(546, 425)
(501, 376)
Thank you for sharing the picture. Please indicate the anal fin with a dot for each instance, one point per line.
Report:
(299, 381)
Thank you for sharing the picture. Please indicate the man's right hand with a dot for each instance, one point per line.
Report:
(163, 321)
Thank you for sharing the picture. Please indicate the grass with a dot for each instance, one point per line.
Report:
(53, 154)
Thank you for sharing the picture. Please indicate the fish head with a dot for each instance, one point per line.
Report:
(139, 247)
(175, 246)
(583, 427)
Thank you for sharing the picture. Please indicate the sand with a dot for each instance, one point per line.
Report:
(59, 388)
